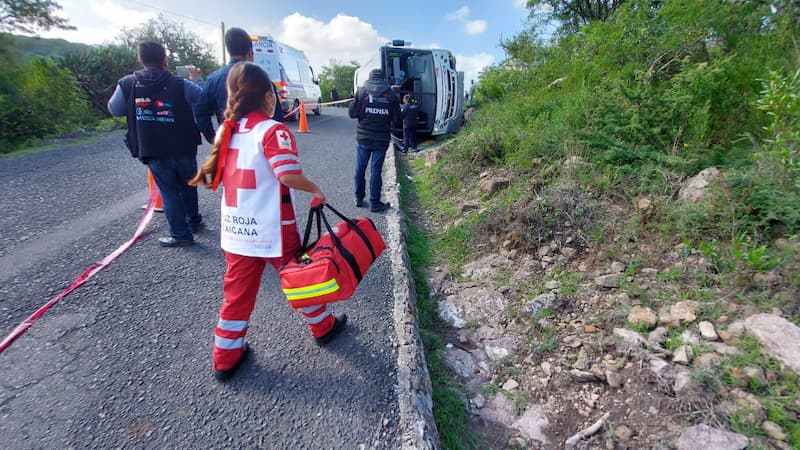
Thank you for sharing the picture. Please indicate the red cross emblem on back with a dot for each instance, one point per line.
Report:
(234, 178)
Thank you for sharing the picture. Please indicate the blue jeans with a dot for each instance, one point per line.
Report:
(179, 199)
(363, 155)
(409, 138)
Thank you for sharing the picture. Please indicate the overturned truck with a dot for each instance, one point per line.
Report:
(430, 76)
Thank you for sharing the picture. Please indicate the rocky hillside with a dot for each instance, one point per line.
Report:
(616, 343)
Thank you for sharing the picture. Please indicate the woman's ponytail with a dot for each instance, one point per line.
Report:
(247, 84)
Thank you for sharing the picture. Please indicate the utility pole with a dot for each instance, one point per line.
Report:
(222, 24)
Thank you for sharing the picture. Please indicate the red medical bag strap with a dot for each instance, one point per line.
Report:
(351, 260)
(358, 231)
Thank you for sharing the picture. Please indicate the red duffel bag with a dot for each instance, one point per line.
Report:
(330, 269)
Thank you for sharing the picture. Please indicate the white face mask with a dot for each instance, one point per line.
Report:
(269, 103)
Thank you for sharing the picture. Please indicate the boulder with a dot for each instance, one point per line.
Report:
(533, 424)
(642, 316)
(708, 438)
(694, 189)
(778, 337)
(490, 185)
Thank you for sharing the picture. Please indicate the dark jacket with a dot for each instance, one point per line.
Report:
(409, 112)
(278, 115)
(160, 120)
(376, 107)
(213, 100)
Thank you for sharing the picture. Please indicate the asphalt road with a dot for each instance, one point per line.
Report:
(125, 360)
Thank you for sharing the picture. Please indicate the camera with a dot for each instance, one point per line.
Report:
(182, 71)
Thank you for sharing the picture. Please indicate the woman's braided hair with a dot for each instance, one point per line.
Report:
(248, 85)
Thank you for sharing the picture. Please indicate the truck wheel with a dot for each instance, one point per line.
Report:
(318, 109)
(296, 107)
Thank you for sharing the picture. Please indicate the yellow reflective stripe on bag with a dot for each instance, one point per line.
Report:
(314, 290)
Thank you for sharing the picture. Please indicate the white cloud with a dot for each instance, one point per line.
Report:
(539, 7)
(471, 27)
(460, 15)
(472, 65)
(99, 22)
(118, 16)
(344, 38)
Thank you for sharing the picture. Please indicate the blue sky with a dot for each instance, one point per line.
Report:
(324, 30)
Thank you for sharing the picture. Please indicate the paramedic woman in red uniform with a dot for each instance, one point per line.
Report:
(255, 159)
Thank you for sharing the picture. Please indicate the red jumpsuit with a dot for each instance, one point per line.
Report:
(243, 273)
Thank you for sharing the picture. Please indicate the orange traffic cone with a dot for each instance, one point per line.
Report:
(303, 126)
(150, 183)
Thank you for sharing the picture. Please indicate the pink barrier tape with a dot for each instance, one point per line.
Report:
(314, 105)
(289, 114)
(347, 100)
(86, 275)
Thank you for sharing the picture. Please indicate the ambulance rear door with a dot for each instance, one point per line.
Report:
(265, 55)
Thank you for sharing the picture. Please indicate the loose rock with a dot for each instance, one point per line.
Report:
(708, 438)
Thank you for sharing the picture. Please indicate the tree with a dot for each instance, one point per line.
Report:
(183, 46)
(37, 99)
(97, 70)
(29, 15)
(339, 75)
(575, 13)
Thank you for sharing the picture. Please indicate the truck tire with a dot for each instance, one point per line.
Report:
(318, 109)
(296, 107)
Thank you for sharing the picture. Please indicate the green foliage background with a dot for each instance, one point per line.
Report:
(30, 47)
(658, 92)
(49, 87)
(37, 98)
(339, 75)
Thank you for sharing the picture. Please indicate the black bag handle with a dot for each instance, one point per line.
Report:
(318, 213)
(351, 260)
(313, 212)
(354, 227)
(341, 216)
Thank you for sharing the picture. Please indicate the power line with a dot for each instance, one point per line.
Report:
(172, 12)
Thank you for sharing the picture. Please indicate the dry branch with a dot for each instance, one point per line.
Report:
(586, 432)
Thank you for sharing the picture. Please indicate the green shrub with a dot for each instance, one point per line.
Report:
(780, 99)
(39, 99)
(97, 70)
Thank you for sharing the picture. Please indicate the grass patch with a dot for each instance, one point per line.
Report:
(450, 404)
(450, 410)
(777, 392)
(38, 146)
(570, 281)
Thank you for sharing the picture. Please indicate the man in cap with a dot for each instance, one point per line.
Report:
(376, 107)
(162, 134)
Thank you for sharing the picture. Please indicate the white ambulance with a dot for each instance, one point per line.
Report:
(430, 76)
(289, 69)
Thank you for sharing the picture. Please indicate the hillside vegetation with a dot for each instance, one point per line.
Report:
(51, 88)
(577, 159)
(29, 47)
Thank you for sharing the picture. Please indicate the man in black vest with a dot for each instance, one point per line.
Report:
(376, 107)
(163, 135)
